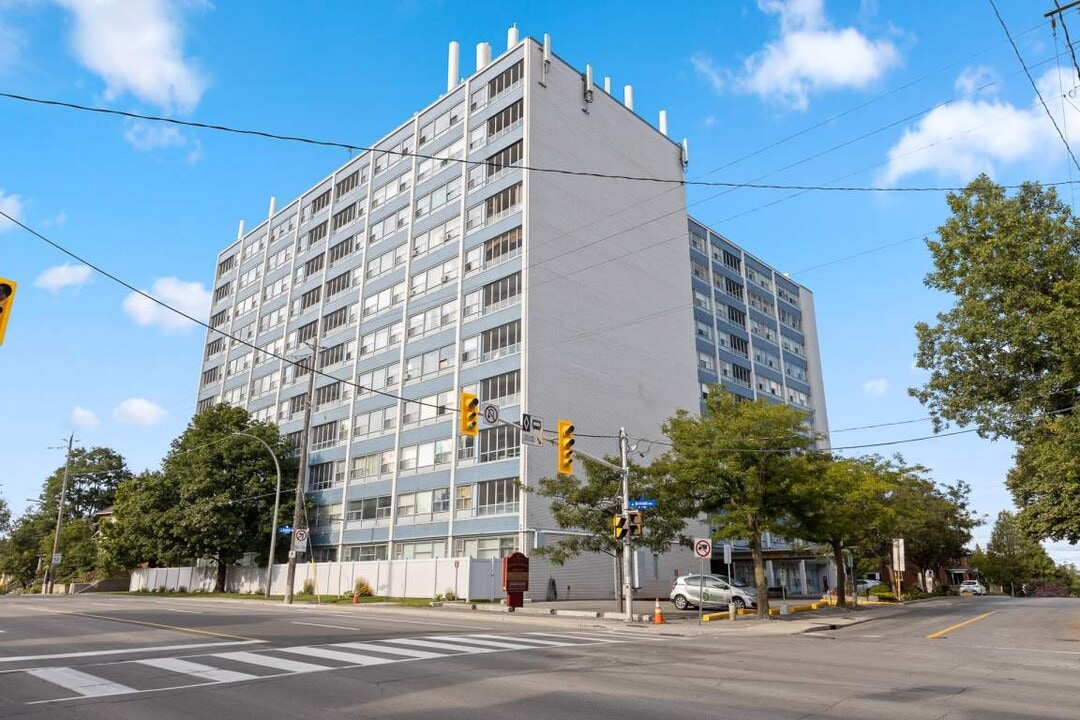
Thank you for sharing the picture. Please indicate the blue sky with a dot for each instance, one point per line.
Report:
(806, 92)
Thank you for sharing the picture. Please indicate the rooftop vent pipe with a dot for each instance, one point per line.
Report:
(453, 70)
(483, 55)
(512, 37)
(628, 97)
(663, 123)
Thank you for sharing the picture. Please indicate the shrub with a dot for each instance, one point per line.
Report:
(449, 595)
(309, 587)
(883, 594)
(363, 588)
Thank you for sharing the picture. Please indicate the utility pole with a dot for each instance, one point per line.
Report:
(50, 571)
(624, 470)
(301, 474)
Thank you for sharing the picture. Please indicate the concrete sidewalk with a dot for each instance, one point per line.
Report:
(683, 622)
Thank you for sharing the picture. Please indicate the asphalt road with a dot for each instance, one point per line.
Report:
(120, 657)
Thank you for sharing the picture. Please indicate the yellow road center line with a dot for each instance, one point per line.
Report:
(150, 624)
(939, 633)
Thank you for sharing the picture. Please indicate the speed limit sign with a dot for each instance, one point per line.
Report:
(703, 548)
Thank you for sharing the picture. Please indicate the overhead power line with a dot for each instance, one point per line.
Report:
(556, 171)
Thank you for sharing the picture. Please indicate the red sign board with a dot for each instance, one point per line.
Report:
(515, 577)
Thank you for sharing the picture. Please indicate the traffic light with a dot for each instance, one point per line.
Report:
(470, 414)
(618, 526)
(566, 447)
(7, 299)
(635, 521)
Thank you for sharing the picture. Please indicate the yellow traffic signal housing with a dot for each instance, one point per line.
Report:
(566, 447)
(618, 526)
(7, 299)
(636, 522)
(470, 414)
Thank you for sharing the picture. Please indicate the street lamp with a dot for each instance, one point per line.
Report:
(277, 503)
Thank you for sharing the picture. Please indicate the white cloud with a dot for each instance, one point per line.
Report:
(979, 79)
(12, 41)
(83, 418)
(62, 276)
(137, 48)
(137, 411)
(148, 136)
(706, 68)
(810, 56)
(189, 297)
(969, 136)
(876, 388)
(12, 205)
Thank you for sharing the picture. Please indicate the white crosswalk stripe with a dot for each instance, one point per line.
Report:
(346, 657)
(80, 683)
(271, 661)
(85, 684)
(203, 672)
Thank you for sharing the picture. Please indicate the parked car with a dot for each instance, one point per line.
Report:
(714, 591)
(972, 586)
(864, 585)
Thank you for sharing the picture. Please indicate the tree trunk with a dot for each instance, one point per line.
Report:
(759, 573)
(841, 573)
(219, 581)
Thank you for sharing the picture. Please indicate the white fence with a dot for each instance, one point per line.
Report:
(467, 578)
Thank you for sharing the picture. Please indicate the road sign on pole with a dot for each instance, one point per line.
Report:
(56, 558)
(491, 414)
(703, 548)
(300, 540)
(532, 427)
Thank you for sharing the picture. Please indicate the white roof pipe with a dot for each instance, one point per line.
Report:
(483, 55)
(607, 85)
(273, 206)
(588, 78)
(547, 48)
(663, 123)
(240, 231)
(628, 96)
(512, 37)
(453, 70)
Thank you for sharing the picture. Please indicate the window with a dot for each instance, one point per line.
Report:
(252, 246)
(247, 304)
(381, 339)
(347, 183)
(312, 267)
(308, 300)
(762, 278)
(433, 129)
(375, 422)
(430, 363)
(369, 508)
(500, 442)
(706, 361)
(792, 346)
(235, 396)
(464, 498)
(388, 225)
(699, 270)
(697, 241)
(211, 376)
(496, 497)
(434, 407)
(420, 550)
(369, 466)
(438, 198)
(431, 165)
(732, 288)
(495, 251)
(391, 190)
(739, 346)
(425, 456)
(344, 217)
(795, 371)
(377, 379)
(341, 250)
(316, 234)
(434, 238)
(384, 299)
(494, 343)
(766, 358)
(280, 258)
(505, 120)
(331, 394)
(790, 295)
(223, 292)
(763, 329)
(770, 386)
(797, 397)
(736, 316)
(704, 330)
(432, 320)
(336, 354)
(337, 318)
(365, 553)
(214, 347)
(204, 404)
(264, 386)
(732, 261)
(502, 292)
(219, 318)
(495, 208)
(238, 365)
(495, 165)
(382, 264)
(761, 303)
(327, 435)
(226, 265)
(424, 503)
(501, 389)
(338, 284)
(703, 301)
(276, 288)
(505, 80)
(434, 277)
(326, 475)
(320, 202)
(485, 548)
(741, 375)
(792, 320)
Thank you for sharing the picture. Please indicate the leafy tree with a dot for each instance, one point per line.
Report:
(5, 518)
(28, 544)
(214, 497)
(588, 506)
(1012, 557)
(844, 500)
(142, 530)
(92, 481)
(740, 463)
(1005, 357)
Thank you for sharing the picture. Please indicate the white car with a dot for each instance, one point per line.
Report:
(864, 585)
(972, 586)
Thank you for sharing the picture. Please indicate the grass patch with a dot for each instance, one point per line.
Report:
(297, 597)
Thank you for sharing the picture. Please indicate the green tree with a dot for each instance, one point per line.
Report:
(225, 487)
(1013, 558)
(27, 545)
(5, 518)
(142, 530)
(588, 506)
(844, 500)
(1004, 358)
(740, 463)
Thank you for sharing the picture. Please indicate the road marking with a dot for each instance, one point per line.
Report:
(939, 633)
(440, 645)
(346, 657)
(172, 609)
(333, 627)
(150, 624)
(198, 670)
(381, 619)
(473, 640)
(83, 683)
(271, 662)
(95, 653)
(579, 638)
(404, 652)
(535, 641)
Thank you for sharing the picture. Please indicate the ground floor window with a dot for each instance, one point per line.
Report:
(420, 550)
(363, 553)
(483, 548)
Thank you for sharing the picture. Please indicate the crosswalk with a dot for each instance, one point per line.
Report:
(126, 677)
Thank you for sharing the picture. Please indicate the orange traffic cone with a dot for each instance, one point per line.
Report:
(355, 598)
(658, 614)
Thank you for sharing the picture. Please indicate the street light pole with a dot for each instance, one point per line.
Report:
(301, 473)
(50, 572)
(277, 504)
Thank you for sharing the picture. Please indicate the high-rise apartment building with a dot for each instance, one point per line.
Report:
(436, 263)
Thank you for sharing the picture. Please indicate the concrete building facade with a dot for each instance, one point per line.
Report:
(435, 263)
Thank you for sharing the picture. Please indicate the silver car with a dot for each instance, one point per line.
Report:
(711, 591)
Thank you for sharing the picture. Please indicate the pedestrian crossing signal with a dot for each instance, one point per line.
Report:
(635, 523)
(618, 526)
